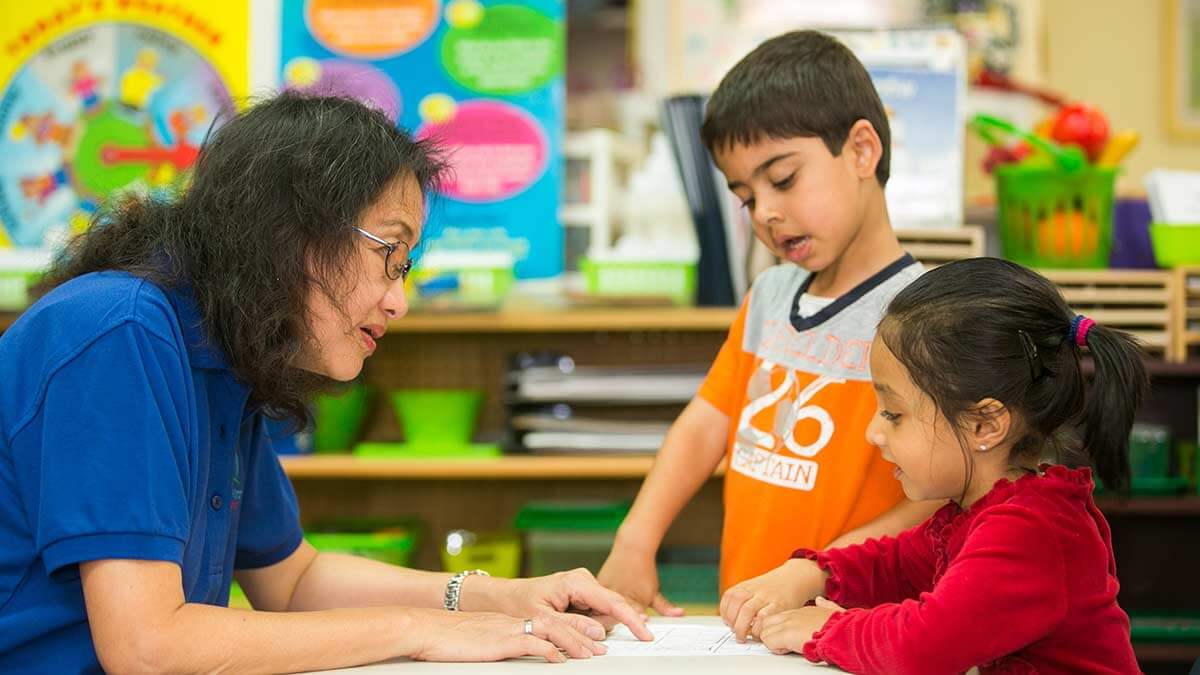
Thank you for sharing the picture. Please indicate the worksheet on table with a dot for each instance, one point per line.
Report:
(683, 639)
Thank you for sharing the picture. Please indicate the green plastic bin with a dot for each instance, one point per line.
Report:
(385, 541)
(563, 535)
(338, 418)
(672, 279)
(437, 416)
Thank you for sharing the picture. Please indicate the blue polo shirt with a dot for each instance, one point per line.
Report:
(123, 434)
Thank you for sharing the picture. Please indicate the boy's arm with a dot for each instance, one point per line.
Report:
(904, 516)
(693, 448)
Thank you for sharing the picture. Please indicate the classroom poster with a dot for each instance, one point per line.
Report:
(921, 79)
(100, 96)
(485, 77)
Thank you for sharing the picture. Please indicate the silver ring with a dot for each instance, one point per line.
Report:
(529, 626)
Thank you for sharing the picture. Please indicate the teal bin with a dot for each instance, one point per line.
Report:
(690, 575)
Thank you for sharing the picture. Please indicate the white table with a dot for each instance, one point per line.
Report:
(652, 665)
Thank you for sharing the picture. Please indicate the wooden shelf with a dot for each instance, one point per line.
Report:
(510, 467)
(1159, 652)
(526, 467)
(610, 319)
(1178, 505)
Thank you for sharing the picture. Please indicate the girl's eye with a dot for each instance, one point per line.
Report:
(889, 416)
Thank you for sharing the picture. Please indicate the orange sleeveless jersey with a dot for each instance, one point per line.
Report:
(800, 472)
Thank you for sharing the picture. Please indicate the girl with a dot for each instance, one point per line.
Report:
(135, 473)
(977, 373)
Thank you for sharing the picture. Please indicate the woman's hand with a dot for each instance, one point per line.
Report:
(437, 635)
(565, 596)
(789, 586)
(788, 631)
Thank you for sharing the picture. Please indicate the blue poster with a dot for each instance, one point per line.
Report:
(483, 77)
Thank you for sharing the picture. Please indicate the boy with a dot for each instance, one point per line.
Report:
(799, 132)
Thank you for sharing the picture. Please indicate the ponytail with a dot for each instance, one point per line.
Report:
(1113, 396)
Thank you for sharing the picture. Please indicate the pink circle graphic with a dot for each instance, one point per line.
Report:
(496, 150)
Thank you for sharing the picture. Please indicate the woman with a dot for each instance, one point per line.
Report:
(135, 474)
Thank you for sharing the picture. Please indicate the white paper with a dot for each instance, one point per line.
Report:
(683, 639)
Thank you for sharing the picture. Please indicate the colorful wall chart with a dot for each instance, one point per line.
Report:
(101, 96)
(485, 77)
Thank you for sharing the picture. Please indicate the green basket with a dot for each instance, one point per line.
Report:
(1052, 218)
(437, 416)
(674, 280)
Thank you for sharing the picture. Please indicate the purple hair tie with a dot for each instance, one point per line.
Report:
(1080, 326)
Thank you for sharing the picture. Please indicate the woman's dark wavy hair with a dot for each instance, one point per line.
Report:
(988, 328)
(267, 217)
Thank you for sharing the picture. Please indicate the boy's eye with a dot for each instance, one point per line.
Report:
(785, 183)
(748, 204)
(889, 416)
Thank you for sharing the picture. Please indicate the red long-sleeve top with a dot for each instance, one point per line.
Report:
(1023, 581)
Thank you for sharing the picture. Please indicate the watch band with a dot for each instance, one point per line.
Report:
(454, 588)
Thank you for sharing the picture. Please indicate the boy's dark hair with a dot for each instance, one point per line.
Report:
(267, 217)
(804, 83)
(988, 328)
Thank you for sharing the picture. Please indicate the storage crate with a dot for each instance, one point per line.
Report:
(1140, 302)
(1186, 329)
(933, 247)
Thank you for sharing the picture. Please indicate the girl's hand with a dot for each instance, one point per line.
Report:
(788, 631)
(789, 586)
(565, 596)
(438, 635)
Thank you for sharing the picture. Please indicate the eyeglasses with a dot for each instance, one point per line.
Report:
(396, 262)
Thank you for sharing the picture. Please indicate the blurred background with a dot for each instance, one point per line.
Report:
(580, 270)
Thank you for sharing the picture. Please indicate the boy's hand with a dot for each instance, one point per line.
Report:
(634, 576)
(788, 631)
(787, 587)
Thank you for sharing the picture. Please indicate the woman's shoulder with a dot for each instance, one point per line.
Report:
(95, 302)
(82, 310)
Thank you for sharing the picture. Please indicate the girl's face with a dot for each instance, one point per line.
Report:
(912, 433)
(344, 337)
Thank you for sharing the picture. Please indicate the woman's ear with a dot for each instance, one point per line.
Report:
(990, 424)
(863, 148)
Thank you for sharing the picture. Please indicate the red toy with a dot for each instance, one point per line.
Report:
(1082, 125)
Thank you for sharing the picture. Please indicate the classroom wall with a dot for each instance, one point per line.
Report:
(1111, 53)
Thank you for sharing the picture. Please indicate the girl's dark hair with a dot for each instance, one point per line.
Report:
(988, 328)
(799, 84)
(267, 217)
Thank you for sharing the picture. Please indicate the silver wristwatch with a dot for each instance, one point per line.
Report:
(454, 588)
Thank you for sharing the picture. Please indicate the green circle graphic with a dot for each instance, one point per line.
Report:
(109, 129)
(513, 50)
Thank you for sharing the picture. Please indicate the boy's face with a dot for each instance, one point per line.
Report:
(805, 203)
